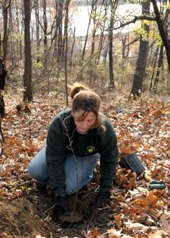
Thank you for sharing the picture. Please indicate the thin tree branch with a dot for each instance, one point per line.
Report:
(144, 17)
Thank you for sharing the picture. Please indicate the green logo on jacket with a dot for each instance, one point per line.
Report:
(90, 149)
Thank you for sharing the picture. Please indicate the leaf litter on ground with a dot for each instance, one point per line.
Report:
(142, 126)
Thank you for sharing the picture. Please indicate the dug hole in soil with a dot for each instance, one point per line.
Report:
(34, 215)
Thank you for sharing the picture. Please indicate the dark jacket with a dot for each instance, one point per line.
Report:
(62, 133)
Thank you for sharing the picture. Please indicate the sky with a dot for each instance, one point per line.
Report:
(80, 17)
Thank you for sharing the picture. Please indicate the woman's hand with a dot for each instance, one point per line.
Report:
(103, 199)
(62, 201)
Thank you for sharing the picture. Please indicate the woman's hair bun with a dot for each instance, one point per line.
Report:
(76, 88)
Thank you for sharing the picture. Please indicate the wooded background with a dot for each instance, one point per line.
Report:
(39, 49)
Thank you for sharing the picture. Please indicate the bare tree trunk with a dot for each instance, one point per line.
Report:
(37, 29)
(60, 50)
(160, 62)
(72, 49)
(90, 18)
(79, 76)
(45, 35)
(92, 54)
(112, 83)
(28, 63)
(142, 57)
(0, 44)
(11, 46)
(3, 74)
(66, 49)
(155, 59)
(113, 6)
(56, 31)
(100, 47)
(5, 27)
(94, 29)
(102, 35)
(45, 44)
(3, 71)
(19, 31)
(105, 53)
(162, 31)
(125, 46)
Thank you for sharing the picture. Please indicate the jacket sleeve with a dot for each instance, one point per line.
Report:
(109, 157)
(55, 156)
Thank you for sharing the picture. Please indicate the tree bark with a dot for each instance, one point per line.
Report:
(154, 63)
(142, 57)
(113, 6)
(60, 49)
(45, 36)
(160, 62)
(37, 29)
(94, 29)
(72, 49)
(66, 49)
(87, 33)
(162, 31)
(102, 35)
(27, 51)
(3, 71)
(3, 74)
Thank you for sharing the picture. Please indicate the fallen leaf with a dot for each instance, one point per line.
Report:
(165, 222)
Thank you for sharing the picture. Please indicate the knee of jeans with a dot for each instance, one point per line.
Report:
(71, 190)
(72, 186)
(31, 170)
(34, 173)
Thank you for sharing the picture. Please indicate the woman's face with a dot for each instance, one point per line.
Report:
(84, 122)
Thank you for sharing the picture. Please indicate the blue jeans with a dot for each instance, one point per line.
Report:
(79, 170)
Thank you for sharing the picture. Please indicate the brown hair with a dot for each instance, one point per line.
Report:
(86, 100)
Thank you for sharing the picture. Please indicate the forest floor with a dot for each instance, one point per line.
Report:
(141, 126)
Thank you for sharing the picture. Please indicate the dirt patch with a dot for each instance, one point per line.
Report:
(21, 218)
(34, 215)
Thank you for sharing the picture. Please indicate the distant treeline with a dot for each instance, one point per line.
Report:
(89, 2)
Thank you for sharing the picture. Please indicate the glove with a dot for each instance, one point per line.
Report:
(62, 201)
(103, 199)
